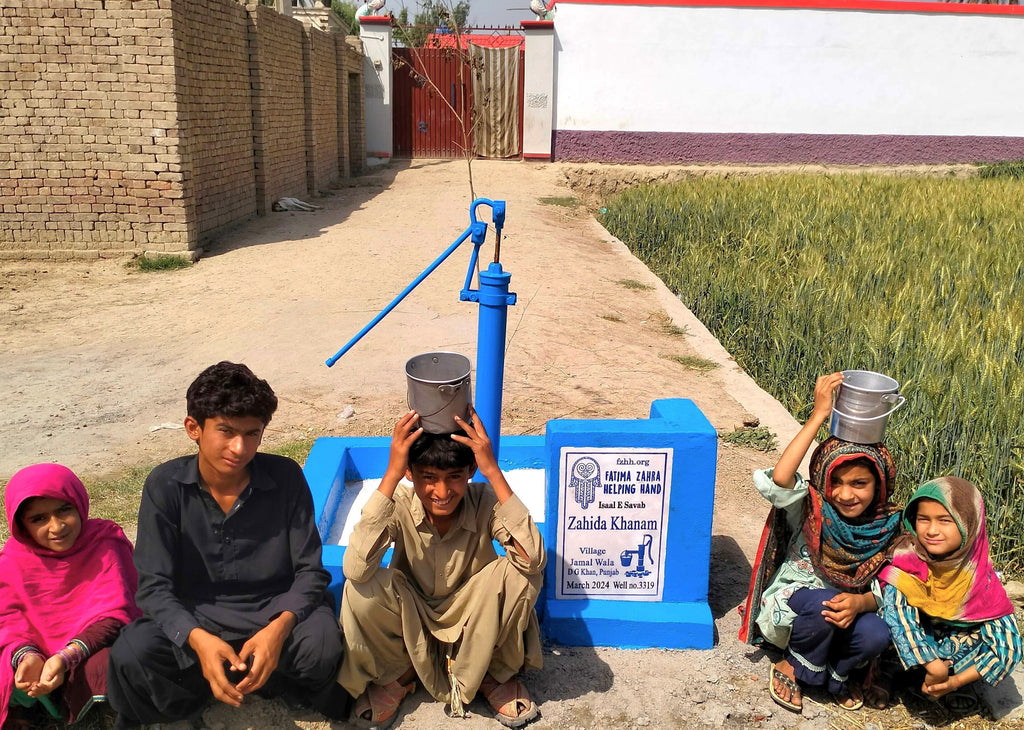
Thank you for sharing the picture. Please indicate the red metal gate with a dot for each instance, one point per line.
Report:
(422, 124)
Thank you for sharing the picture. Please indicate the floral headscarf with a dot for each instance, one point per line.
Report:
(849, 553)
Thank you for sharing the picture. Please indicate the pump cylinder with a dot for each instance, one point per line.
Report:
(490, 342)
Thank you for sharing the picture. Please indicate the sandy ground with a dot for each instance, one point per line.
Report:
(95, 356)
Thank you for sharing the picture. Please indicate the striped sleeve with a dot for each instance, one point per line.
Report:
(913, 645)
(1000, 651)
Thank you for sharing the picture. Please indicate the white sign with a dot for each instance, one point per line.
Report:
(612, 522)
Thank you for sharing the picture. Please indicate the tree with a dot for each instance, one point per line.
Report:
(437, 14)
(347, 12)
(434, 16)
(452, 18)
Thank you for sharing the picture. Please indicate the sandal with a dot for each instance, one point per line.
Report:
(962, 701)
(842, 698)
(510, 701)
(789, 683)
(377, 707)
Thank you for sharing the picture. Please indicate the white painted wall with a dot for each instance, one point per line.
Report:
(378, 83)
(788, 70)
(538, 91)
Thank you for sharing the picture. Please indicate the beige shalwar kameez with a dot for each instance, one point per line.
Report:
(441, 596)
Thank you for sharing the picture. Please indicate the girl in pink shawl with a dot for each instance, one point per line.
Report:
(67, 585)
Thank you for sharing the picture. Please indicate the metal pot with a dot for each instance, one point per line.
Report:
(864, 402)
(439, 389)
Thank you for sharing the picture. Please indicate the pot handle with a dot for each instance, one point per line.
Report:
(449, 390)
(872, 418)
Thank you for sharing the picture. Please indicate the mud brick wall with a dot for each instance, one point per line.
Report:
(135, 126)
(322, 110)
(215, 111)
(279, 101)
(350, 56)
(340, 73)
(89, 165)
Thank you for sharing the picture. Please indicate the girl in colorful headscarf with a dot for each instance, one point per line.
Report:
(820, 604)
(944, 603)
(67, 585)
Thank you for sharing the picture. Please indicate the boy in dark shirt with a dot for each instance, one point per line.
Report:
(231, 586)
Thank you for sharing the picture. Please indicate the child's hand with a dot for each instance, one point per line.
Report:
(784, 474)
(476, 438)
(843, 609)
(824, 392)
(407, 430)
(936, 679)
(51, 677)
(27, 674)
(262, 652)
(213, 652)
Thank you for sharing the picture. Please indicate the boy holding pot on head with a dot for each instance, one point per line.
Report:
(448, 610)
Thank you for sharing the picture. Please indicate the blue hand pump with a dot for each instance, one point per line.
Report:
(494, 299)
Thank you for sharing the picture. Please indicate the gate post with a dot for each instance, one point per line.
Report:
(375, 34)
(538, 89)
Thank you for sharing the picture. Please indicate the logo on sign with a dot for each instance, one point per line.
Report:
(585, 481)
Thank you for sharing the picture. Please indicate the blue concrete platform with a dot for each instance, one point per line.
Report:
(625, 508)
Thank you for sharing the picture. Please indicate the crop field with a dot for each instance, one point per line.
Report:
(918, 278)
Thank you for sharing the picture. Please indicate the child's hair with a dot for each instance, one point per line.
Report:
(440, 451)
(19, 514)
(230, 390)
(910, 513)
(862, 461)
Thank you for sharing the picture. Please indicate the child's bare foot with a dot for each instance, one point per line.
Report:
(876, 696)
(852, 699)
(783, 687)
(878, 686)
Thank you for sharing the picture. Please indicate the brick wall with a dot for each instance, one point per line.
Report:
(89, 164)
(279, 101)
(134, 126)
(344, 163)
(355, 132)
(215, 111)
(322, 110)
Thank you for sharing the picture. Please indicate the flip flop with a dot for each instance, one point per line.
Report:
(789, 684)
(857, 704)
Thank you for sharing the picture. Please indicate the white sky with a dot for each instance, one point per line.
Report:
(481, 12)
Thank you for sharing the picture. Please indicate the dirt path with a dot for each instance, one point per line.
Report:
(94, 356)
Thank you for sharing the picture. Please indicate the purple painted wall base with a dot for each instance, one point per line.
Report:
(836, 149)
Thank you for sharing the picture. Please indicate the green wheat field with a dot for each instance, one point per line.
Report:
(920, 278)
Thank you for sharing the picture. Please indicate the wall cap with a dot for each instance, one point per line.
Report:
(889, 6)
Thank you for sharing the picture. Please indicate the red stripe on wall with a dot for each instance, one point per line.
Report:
(882, 5)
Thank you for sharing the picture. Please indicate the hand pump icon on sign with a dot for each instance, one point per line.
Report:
(642, 550)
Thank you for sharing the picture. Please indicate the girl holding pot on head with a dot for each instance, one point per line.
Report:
(820, 605)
